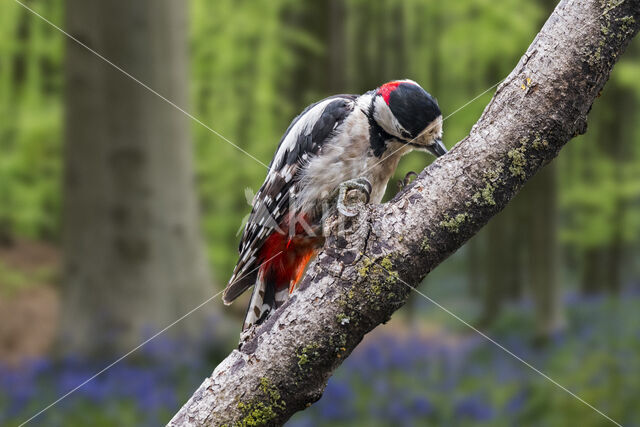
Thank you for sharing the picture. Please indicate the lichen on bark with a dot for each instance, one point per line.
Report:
(361, 275)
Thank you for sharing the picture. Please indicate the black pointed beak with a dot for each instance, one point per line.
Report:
(437, 148)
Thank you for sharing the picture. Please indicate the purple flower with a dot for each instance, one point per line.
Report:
(475, 408)
(301, 422)
(517, 402)
(158, 398)
(381, 386)
(398, 411)
(337, 390)
(337, 401)
(422, 406)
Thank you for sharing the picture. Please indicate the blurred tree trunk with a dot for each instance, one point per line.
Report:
(543, 253)
(593, 271)
(492, 295)
(616, 253)
(364, 73)
(134, 256)
(502, 264)
(5, 235)
(516, 251)
(603, 263)
(475, 274)
(337, 82)
(325, 24)
(615, 144)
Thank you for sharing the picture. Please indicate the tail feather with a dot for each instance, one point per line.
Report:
(240, 281)
(275, 280)
(264, 299)
(281, 296)
(261, 303)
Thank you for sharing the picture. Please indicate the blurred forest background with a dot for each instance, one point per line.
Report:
(119, 214)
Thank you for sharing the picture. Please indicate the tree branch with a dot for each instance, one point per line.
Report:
(540, 106)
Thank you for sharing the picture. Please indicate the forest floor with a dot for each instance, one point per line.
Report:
(438, 370)
(29, 300)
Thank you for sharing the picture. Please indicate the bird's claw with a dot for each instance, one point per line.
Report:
(407, 179)
(361, 184)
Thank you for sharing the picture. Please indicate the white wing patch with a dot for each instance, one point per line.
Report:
(307, 133)
(301, 127)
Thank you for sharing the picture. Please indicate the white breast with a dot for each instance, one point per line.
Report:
(347, 156)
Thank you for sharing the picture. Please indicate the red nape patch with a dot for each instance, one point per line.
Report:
(386, 89)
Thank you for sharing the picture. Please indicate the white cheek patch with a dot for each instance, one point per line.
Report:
(385, 118)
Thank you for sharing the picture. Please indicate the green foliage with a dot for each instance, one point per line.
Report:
(241, 60)
(600, 174)
(255, 65)
(31, 120)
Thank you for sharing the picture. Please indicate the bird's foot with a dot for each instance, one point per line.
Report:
(246, 335)
(361, 184)
(407, 179)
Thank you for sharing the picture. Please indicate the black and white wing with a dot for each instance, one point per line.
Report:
(303, 139)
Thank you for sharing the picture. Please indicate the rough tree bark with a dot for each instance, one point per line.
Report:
(541, 105)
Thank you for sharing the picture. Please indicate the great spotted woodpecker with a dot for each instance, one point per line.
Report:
(341, 142)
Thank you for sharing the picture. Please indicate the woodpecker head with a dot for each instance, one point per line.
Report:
(409, 114)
